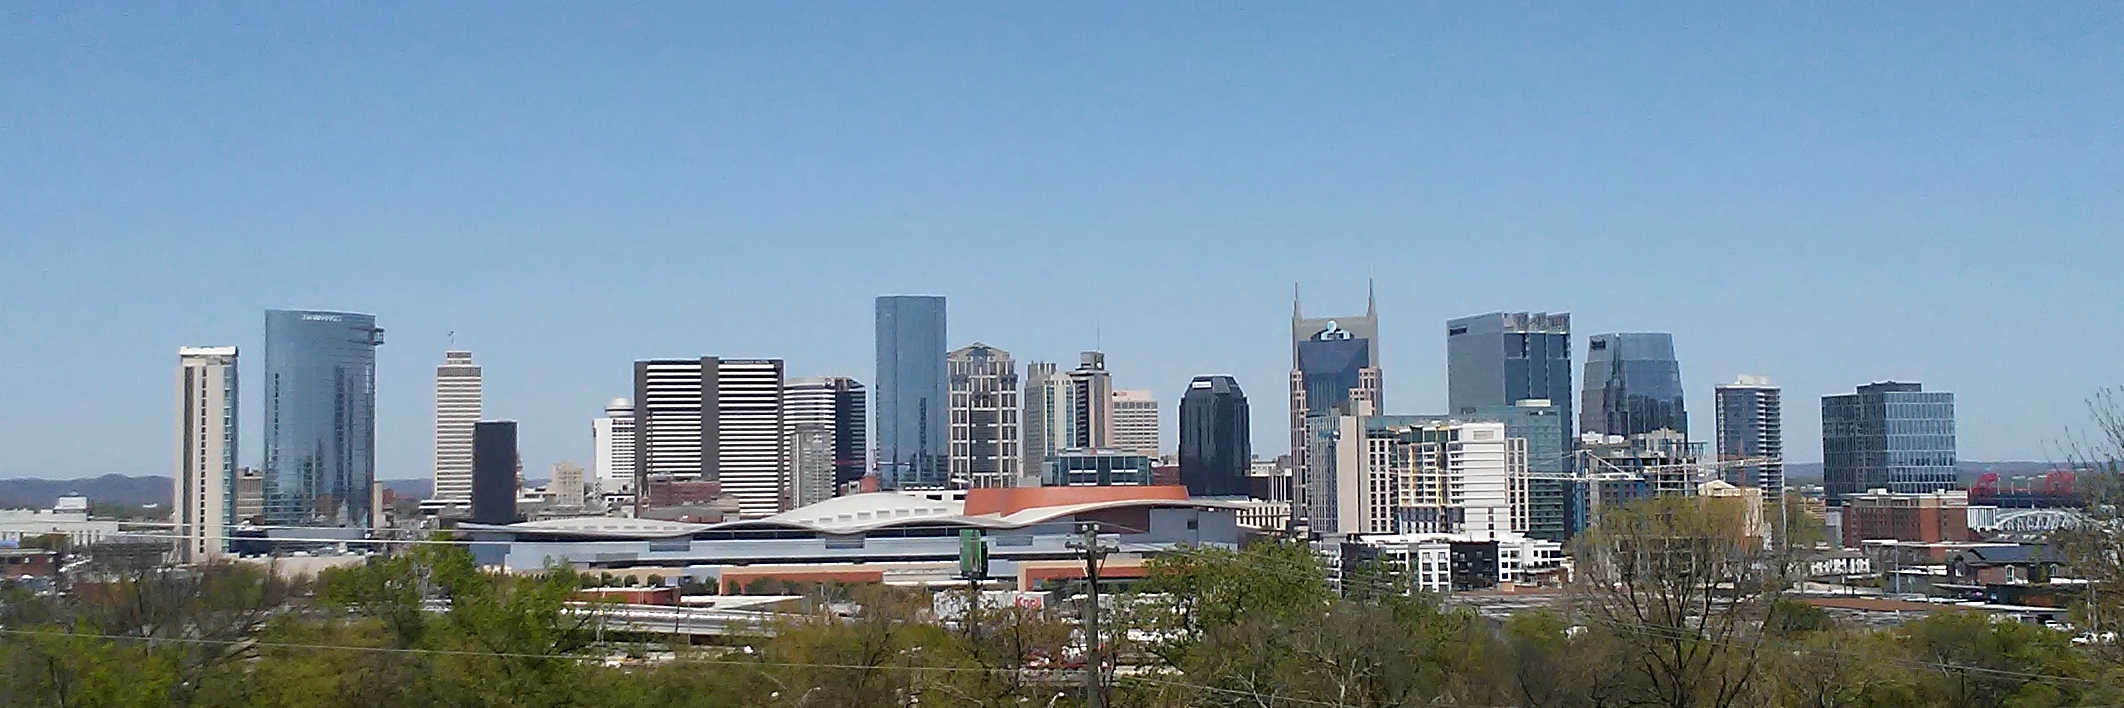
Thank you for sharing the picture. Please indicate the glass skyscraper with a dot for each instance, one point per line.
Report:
(1502, 358)
(1633, 385)
(911, 392)
(320, 417)
(1546, 428)
(1890, 435)
(1216, 444)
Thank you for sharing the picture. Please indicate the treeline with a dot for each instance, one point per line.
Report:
(1672, 609)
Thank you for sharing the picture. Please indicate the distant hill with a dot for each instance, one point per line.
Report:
(1968, 471)
(410, 488)
(31, 493)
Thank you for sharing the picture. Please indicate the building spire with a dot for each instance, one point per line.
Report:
(1371, 302)
(1296, 312)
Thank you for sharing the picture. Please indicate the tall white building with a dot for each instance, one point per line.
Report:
(612, 441)
(982, 385)
(200, 493)
(1419, 474)
(457, 410)
(712, 420)
(1043, 422)
(1136, 422)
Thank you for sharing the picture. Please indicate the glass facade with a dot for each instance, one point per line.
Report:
(1895, 436)
(1633, 385)
(1216, 447)
(1548, 462)
(320, 417)
(1097, 468)
(911, 432)
(1500, 359)
(1333, 369)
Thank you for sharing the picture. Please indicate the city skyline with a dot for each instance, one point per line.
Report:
(1826, 198)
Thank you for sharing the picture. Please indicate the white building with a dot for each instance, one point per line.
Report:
(206, 450)
(457, 410)
(612, 440)
(712, 420)
(1045, 415)
(833, 407)
(1418, 474)
(1428, 558)
(984, 435)
(1136, 422)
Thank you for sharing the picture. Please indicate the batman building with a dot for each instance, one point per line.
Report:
(1334, 372)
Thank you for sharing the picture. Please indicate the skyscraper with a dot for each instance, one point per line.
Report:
(1136, 422)
(495, 466)
(612, 442)
(1043, 420)
(1334, 372)
(716, 420)
(457, 410)
(1091, 403)
(1417, 474)
(1633, 385)
(1889, 435)
(984, 417)
(911, 392)
(1501, 358)
(837, 405)
(1751, 423)
(1216, 444)
(320, 417)
(202, 496)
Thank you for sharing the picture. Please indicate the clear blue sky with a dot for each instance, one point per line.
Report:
(1826, 194)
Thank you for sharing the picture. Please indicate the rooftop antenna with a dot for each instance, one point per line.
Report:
(452, 336)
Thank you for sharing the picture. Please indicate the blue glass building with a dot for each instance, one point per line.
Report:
(1633, 385)
(1216, 438)
(1546, 428)
(1502, 358)
(1890, 435)
(320, 417)
(911, 393)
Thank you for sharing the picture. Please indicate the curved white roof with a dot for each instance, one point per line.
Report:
(863, 510)
(606, 525)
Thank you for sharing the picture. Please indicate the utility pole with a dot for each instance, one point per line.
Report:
(1094, 667)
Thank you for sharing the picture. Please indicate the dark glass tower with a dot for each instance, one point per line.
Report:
(1889, 435)
(1216, 445)
(494, 469)
(1633, 385)
(320, 417)
(911, 392)
(1502, 358)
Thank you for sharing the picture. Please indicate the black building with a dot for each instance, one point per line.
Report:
(494, 466)
(1216, 445)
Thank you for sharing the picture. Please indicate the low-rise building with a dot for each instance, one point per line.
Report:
(1443, 562)
(1879, 514)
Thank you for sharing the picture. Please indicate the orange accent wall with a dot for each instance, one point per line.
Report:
(1010, 500)
(735, 578)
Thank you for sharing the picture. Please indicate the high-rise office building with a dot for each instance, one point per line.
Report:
(1043, 421)
(1751, 424)
(713, 420)
(1091, 403)
(1890, 435)
(202, 490)
(1136, 422)
(1502, 358)
(612, 443)
(911, 392)
(1334, 372)
(320, 417)
(1546, 428)
(837, 405)
(457, 410)
(983, 383)
(811, 459)
(1633, 385)
(495, 471)
(1216, 442)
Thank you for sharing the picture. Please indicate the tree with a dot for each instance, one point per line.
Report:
(1679, 590)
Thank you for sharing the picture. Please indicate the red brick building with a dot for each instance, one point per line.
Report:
(1879, 515)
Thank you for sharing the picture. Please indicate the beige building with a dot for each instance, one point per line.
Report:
(206, 450)
(1136, 422)
(457, 410)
